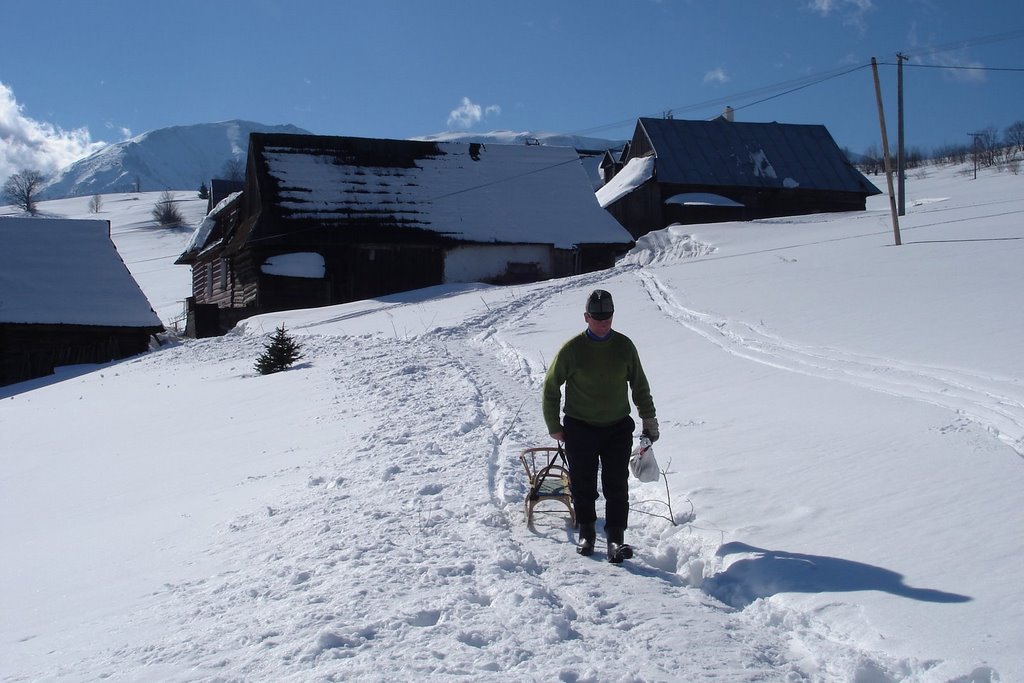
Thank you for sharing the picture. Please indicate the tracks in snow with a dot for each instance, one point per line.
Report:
(573, 594)
(995, 403)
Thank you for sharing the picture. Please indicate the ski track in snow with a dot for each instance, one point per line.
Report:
(994, 403)
(675, 555)
(378, 568)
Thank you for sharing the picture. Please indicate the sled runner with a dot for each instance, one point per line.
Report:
(548, 474)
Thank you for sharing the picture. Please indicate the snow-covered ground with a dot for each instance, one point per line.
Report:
(845, 417)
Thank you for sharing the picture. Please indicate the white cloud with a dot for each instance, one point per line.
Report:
(852, 11)
(969, 70)
(966, 70)
(124, 132)
(826, 7)
(823, 7)
(716, 76)
(29, 144)
(468, 114)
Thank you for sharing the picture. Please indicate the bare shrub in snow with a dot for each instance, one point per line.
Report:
(166, 211)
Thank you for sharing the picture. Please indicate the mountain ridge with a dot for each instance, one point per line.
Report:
(184, 157)
(172, 158)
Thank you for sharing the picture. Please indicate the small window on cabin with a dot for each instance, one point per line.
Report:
(209, 280)
(223, 275)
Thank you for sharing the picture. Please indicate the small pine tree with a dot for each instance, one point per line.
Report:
(204, 192)
(279, 354)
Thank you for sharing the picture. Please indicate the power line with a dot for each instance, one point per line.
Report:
(794, 85)
(964, 68)
(774, 90)
(793, 90)
(791, 86)
(970, 42)
(574, 160)
(787, 87)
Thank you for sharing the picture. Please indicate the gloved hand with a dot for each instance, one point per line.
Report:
(650, 428)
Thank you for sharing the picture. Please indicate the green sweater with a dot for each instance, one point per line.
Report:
(595, 375)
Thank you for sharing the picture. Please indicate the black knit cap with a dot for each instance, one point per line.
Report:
(600, 304)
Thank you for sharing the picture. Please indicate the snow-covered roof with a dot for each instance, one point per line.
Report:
(202, 232)
(465, 191)
(62, 271)
(634, 174)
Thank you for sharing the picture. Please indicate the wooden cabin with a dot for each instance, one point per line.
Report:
(68, 298)
(220, 189)
(325, 220)
(678, 171)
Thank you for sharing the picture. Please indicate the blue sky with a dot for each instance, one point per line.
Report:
(77, 74)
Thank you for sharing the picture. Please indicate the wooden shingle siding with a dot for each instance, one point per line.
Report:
(29, 351)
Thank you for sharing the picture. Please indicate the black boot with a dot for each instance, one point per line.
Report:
(585, 544)
(617, 550)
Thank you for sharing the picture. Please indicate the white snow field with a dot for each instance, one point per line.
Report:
(844, 417)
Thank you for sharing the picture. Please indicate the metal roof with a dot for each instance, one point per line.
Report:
(760, 155)
(59, 271)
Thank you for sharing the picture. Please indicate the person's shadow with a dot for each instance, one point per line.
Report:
(777, 571)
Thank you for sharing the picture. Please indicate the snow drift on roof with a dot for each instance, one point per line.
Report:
(634, 174)
(67, 272)
(202, 233)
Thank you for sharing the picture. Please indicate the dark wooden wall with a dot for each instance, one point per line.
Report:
(29, 351)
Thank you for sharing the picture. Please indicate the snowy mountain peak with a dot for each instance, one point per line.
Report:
(175, 158)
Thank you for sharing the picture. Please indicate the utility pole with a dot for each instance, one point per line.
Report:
(901, 154)
(974, 153)
(885, 155)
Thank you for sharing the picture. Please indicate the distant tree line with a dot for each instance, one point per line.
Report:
(987, 149)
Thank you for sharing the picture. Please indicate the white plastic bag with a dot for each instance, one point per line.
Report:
(642, 463)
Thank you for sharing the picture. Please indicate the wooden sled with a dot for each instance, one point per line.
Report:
(548, 474)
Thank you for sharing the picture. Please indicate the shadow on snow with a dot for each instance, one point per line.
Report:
(776, 571)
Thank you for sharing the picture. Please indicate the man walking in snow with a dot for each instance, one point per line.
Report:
(599, 367)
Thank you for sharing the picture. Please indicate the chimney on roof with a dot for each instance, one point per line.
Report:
(728, 114)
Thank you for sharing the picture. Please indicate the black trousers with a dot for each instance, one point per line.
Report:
(586, 446)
